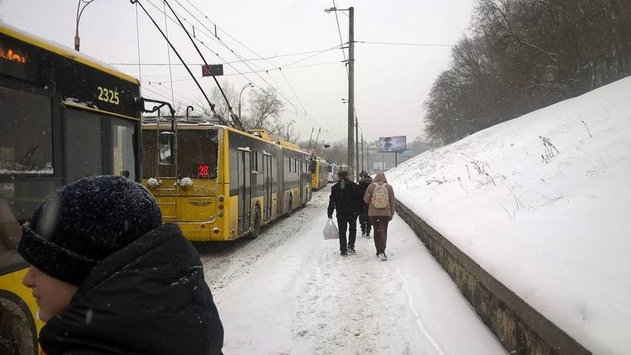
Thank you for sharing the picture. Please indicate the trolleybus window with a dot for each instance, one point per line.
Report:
(123, 143)
(151, 166)
(83, 153)
(196, 155)
(26, 145)
(90, 132)
(149, 154)
(165, 147)
(200, 155)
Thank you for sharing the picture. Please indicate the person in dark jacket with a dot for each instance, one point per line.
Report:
(345, 200)
(110, 278)
(364, 221)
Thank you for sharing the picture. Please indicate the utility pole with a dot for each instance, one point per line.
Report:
(357, 149)
(351, 90)
(363, 153)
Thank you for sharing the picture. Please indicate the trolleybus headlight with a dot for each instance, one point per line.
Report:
(186, 183)
(152, 183)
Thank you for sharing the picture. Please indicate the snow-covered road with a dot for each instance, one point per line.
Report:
(290, 292)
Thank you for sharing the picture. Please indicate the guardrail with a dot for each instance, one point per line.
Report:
(518, 326)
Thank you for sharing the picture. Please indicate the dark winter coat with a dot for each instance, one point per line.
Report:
(345, 199)
(380, 178)
(363, 186)
(148, 298)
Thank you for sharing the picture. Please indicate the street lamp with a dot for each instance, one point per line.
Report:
(80, 9)
(351, 86)
(248, 85)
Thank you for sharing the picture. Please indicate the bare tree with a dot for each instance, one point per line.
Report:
(264, 111)
(220, 111)
(525, 55)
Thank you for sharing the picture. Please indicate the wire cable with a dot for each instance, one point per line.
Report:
(212, 106)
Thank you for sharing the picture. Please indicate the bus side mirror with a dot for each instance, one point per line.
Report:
(166, 145)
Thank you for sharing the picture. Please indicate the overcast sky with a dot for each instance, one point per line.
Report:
(291, 45)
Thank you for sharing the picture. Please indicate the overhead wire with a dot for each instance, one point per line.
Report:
(235, 118)
(256, 71)
(179, 56)
(214, 37)
(276, 87)
(238, 56)
(181, 100)
(407, 44)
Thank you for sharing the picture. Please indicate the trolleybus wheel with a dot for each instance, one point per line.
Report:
(289, 205)
(17, 329)
(256, 223)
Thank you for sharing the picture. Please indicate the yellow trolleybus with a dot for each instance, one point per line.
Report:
(319, 172)
(63, 116)
(219, 183)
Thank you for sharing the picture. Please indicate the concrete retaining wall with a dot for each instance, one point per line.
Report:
(518, 326)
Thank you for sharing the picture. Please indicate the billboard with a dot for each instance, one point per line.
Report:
(392, 144)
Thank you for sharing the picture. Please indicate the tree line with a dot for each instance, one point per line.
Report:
(522, 55)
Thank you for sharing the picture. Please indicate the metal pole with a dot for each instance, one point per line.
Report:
(351, 91)
(363, 153)
(357, 147)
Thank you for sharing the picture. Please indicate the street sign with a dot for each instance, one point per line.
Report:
(212, 70)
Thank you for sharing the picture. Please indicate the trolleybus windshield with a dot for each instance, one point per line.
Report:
(196, 155)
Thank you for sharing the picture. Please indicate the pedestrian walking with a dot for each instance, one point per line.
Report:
(345, 200)
(364, 221)
(380, 197)
(110, 278)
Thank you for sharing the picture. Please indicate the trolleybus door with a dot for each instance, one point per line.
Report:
(301, 178)
(244, 174)
(267, 173)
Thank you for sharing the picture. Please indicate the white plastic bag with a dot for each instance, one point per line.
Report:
(330, 230)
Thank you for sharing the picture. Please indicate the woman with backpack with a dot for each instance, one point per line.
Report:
(380, 199)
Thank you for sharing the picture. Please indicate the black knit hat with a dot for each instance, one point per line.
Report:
(84, 222)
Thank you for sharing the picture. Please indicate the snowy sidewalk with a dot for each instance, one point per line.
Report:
(304, 298)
